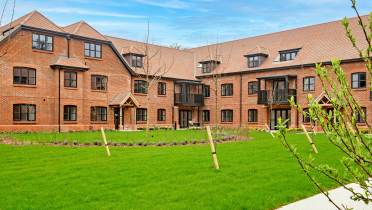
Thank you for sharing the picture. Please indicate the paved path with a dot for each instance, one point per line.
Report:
(320, 202)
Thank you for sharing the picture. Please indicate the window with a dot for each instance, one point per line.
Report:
(141, 114)
(70, 79)
(42, 42)
(24, 112)
(288, 55)
(161, 114)
(227, 89)
(92, 50)
(208, 66)
(140, 86)
(358, 80)
(252, 88)
(99, 82)
(253, 61)
(69, 113)
(358, 116)
(306, 116)
(98, 113)
(206, 91)
(206, 116)
(252, 115)
(162, 88)
(309, 83)
(227, 115)
(24, 76)
(137, 61)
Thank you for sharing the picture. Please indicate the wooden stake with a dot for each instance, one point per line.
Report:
(269, 130)
(310, 140)
(105, 141)
(213, 149)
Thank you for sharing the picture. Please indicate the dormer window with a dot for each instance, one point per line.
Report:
(92, 50)
(288, 55)
(135, 60)
(209, 66)
(255, 60)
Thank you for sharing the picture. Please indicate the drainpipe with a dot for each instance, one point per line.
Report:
(241, 101)
(59, 100)
(68, 46)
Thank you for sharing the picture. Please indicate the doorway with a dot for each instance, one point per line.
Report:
(117, 118)
(275, 114)
(184, 117)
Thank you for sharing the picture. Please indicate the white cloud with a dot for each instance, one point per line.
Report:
(81, 11)
(173, 4)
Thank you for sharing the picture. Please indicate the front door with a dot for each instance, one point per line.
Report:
(184, 118)
(117, 118)
(275, 114)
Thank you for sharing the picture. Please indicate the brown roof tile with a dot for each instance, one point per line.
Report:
(84, 29)
(71, 62)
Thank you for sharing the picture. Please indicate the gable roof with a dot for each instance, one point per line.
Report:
(33, 19)
(176, 64)
(317, 43)
(83, 29)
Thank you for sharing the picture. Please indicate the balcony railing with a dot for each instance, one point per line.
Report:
(280, 96)
(188, 99)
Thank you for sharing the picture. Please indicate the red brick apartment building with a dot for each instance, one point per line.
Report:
(74, 78)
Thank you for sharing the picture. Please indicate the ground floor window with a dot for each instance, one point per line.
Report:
(141, 114)
(98, 113)
(69, 113)
(252, 115)
(227, 115)
(206, 116)
(161, 114)
(24, 112)
(306, 116)
(358, 116)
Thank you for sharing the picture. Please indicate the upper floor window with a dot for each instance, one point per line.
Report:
(206, 116)
(253, 61)
(162, 88)
(24, 112)
(24, 76)
(141, 114)
(69, 113)
(227, 115)
(99, 82)
(252, 115)
(288, 55)
(206, 91)
(359, 118)
(358, 80)
(227, 89)
(309, 83)
(252, 88)
(140, 86)
(42, 42)
(161, 114)
(92, 50)
(209, 66)
(137, 61)
(70, 79)
(98, 113)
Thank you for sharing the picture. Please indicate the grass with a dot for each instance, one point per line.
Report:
(113, 136)
(257, 174)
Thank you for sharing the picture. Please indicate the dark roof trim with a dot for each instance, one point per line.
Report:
(256, 54)
(68, 67)
(353, 60)
(135, 54)
(277, 77)
(188, 82)
(210, 61)
(290, 50)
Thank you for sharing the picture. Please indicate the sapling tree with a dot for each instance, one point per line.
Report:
(341, 124)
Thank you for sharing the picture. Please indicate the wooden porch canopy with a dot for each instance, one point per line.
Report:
(324, 100)
(69, 63)
(124, 100)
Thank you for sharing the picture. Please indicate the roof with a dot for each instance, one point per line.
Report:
(172, 63)
(73, 63)
(318, 43)
(124, 99)
(33, 19)
(83, 29)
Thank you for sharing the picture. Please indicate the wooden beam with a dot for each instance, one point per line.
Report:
(213, 148)
(105, 142)
(310, 140)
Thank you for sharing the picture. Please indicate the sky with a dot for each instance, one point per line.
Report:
(189, 23)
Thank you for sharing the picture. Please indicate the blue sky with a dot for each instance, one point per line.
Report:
(191, 22)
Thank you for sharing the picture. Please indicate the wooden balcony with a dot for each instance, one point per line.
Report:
(280, 96)
(188, 99)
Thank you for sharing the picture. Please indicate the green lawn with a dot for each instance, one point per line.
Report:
(113, 136)
(257, 174)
